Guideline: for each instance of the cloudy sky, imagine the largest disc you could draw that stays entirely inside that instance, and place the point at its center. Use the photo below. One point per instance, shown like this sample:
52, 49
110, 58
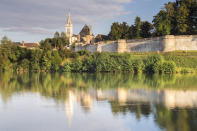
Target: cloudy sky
33, 20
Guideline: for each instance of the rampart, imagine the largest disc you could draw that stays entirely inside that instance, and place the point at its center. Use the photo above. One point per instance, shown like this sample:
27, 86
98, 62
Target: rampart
163, 44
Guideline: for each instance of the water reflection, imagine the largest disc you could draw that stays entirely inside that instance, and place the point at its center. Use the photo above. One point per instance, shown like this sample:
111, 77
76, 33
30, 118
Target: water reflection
169, 99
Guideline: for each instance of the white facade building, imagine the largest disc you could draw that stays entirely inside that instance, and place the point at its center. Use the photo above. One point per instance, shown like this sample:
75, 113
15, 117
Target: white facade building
69, 30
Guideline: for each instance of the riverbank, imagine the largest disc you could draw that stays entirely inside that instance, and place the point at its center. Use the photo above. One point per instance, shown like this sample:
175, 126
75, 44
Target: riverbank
15, 58
151, 62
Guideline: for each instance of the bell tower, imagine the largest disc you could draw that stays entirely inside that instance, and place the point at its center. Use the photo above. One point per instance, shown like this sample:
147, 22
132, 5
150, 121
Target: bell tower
69, 28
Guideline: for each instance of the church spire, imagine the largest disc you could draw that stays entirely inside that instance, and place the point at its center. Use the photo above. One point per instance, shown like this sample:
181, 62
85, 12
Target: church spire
69, 28
69, 19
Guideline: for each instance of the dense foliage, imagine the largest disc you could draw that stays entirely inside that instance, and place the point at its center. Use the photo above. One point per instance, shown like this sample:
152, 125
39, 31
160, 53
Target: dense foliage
16, 58
141, 29
57, 42
110, 62
176, 18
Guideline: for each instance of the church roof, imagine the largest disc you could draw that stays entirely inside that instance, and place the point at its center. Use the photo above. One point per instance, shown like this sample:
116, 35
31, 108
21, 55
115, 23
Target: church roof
85, 31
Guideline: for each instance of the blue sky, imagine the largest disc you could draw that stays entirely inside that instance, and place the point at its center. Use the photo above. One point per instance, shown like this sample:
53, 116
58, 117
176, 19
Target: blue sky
34, 20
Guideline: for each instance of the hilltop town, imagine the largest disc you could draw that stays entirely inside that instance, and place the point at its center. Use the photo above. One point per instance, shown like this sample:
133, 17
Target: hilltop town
167, 45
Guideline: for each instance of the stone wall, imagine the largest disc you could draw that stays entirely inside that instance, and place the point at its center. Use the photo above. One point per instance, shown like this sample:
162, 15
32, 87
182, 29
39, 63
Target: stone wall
145, 45
165, 44
180, 43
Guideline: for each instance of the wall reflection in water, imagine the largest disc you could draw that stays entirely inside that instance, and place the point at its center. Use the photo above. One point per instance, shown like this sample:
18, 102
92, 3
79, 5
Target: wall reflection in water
171, 99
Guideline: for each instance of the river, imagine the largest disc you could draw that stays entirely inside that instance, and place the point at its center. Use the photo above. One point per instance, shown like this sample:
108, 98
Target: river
95, 102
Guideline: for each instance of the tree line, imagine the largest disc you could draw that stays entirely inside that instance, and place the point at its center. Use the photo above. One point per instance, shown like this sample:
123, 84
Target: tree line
175, 18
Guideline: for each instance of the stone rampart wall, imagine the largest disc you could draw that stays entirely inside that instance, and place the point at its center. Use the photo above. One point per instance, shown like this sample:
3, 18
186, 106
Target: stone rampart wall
165, 44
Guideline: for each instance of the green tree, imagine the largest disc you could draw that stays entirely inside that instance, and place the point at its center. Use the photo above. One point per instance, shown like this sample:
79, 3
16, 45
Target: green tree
138, 26
115, 32
124, 30
46, 60
162, 24
5, 40
170, 8
24, 65
132, 32
5, 64
63, 34
47, 45
35, 59
192, 20
182, 18
146, 29
56, 35
56, 61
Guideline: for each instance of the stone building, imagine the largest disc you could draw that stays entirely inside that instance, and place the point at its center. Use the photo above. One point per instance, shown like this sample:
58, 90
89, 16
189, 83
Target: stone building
28, 45
85, 36
69, 30
101, 37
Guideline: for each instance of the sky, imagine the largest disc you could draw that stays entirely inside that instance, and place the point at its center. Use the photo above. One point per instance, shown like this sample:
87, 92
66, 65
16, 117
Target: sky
35, 20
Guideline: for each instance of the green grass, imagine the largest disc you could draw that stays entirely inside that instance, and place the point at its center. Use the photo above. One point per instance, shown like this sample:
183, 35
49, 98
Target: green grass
180, 58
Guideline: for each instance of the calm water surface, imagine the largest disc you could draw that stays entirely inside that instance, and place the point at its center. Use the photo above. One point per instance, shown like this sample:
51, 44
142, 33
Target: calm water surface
97, 102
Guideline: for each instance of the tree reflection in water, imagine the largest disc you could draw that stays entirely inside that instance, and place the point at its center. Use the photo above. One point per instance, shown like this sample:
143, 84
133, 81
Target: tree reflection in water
171, 99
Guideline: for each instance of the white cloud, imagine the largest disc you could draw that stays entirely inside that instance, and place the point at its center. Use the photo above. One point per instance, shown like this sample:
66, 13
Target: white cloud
30, 15
32, 30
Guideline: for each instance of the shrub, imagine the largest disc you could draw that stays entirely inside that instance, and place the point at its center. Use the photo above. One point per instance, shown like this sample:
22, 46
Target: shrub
88, 65
138, 66
103, 62
24, 65
169, 67
56, 61
65, 53
46, 60
5, 64
157, 67
153, 63
66, 67
75, 55
76, 66
83, 52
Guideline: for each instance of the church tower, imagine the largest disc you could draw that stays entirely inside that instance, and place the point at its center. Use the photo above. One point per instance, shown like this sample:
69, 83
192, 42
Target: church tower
69, 29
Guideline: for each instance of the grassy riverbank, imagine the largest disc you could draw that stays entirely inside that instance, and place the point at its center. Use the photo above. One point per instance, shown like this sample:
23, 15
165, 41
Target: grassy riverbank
171, 62
15, 58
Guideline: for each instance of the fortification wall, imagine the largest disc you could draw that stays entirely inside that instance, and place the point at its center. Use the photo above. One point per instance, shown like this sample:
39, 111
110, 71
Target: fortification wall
89, 47
112, 47
165, 44
181, 43
145, 45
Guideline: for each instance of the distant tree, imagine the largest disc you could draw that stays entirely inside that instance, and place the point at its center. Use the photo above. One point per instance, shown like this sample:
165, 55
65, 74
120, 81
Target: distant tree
46, 60
132, 32
5, 40
146, 29
177, 18
170, 8
65, 40
56, 61
35, 57
182, 18
5, 64
55, 42
138, 26
56, 35
192, 18
124, 29
24, 64
63, 35
162, 24
115, 32
47, 45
